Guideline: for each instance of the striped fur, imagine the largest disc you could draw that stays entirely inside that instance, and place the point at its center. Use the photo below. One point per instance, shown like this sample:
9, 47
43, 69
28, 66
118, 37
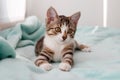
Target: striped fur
58, 44
67, 54
46, 55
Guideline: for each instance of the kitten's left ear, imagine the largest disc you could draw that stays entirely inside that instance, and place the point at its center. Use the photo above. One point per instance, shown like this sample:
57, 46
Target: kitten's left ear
75, 17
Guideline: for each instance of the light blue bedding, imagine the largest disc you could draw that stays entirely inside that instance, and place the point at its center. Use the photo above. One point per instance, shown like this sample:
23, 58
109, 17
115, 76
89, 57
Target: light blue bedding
103, 63
22, 34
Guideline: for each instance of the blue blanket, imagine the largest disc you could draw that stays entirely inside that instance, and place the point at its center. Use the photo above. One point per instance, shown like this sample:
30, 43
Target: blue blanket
103, 63
23, 34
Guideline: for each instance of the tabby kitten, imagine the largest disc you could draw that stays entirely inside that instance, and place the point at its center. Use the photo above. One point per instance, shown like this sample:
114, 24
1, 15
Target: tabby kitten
58, 44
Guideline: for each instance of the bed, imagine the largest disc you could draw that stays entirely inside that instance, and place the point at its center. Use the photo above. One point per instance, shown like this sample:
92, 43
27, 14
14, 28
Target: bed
102, 63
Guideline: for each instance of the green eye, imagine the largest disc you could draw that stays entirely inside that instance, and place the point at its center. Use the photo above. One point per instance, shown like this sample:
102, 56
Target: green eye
57, 29
70, 31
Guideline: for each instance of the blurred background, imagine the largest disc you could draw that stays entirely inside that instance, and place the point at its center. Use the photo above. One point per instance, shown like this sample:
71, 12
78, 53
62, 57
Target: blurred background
93, 12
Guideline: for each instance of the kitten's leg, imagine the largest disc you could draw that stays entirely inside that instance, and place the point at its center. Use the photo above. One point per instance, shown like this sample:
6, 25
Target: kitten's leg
82, 47
43, 60
67, 62
67, 58
43, 63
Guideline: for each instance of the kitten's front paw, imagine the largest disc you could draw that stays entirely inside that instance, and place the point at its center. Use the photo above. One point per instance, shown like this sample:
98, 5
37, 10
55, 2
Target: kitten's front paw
87, 49
65, 66
46, 66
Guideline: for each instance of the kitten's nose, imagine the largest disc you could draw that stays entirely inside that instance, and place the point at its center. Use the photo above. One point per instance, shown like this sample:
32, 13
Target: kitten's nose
64, 37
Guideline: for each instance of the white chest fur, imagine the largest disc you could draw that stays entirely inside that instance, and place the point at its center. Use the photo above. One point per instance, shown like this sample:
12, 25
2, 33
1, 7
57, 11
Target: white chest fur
54, 46
50, 43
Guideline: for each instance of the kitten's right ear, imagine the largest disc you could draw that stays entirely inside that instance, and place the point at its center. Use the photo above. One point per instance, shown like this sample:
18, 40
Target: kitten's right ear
75, 17
51, 15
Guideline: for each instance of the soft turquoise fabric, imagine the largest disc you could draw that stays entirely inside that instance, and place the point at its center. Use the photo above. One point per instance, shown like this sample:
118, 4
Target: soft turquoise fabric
32, 29
6, 51
22, 34
103, 63
16, 69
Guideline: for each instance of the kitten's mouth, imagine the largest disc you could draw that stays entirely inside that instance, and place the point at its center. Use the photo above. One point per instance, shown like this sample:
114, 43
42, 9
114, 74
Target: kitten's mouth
63, 41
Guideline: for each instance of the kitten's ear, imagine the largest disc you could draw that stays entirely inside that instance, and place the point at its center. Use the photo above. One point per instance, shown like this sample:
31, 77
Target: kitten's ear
51, 14
75, 17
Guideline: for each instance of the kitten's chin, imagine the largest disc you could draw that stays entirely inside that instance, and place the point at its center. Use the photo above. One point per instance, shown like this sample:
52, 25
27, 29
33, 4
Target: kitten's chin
60, 41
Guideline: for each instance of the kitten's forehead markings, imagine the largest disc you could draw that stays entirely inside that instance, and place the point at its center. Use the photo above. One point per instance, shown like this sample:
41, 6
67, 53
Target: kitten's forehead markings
63, 28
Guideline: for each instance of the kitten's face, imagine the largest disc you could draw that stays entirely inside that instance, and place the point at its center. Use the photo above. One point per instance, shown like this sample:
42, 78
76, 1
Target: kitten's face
61, 28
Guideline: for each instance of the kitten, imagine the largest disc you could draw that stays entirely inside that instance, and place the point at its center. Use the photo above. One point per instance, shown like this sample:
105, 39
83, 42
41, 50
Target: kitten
58, 44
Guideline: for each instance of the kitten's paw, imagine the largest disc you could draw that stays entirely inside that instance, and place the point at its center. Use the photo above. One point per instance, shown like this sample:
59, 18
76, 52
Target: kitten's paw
65, 66
87, 49
46, 66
